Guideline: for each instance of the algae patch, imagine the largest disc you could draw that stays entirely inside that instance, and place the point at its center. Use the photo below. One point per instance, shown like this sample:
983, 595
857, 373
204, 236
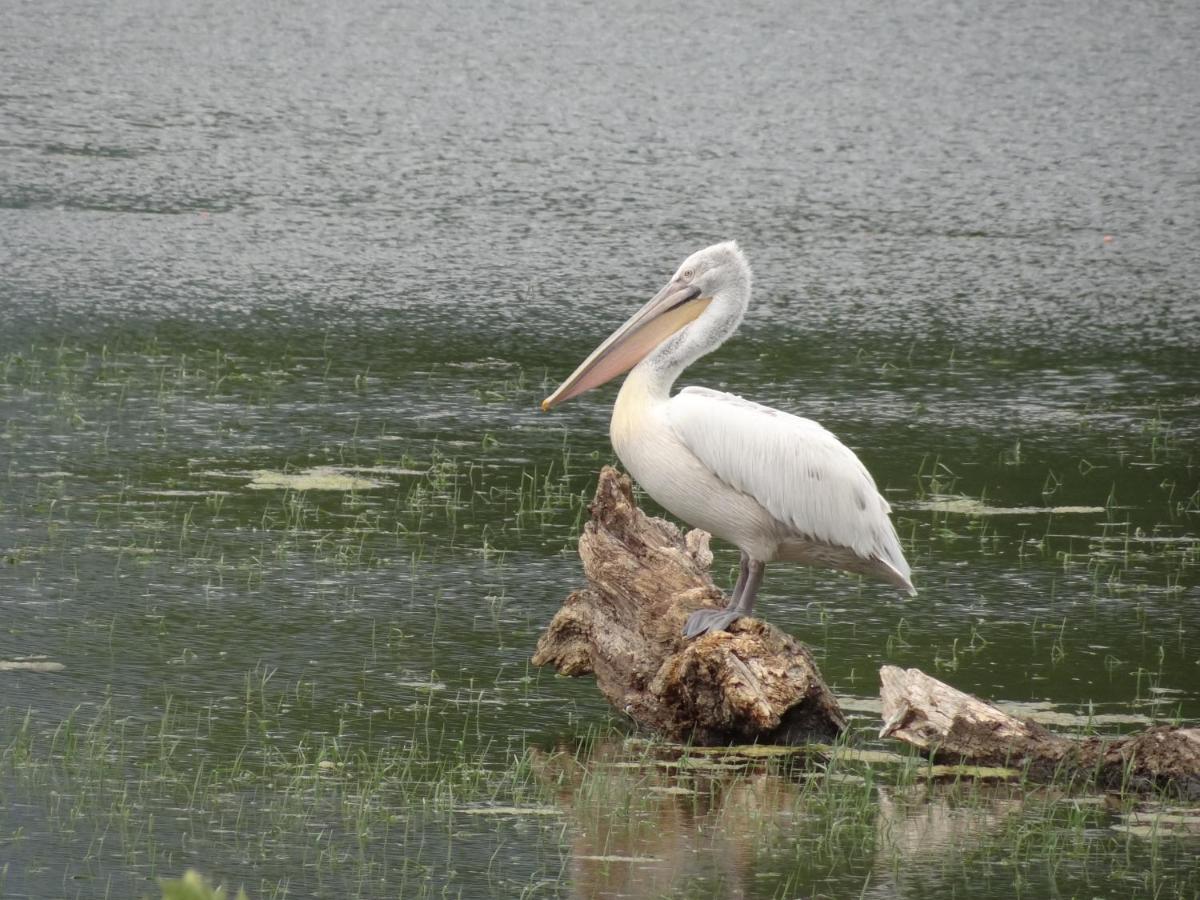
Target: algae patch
969, 506
30, 664
321, 478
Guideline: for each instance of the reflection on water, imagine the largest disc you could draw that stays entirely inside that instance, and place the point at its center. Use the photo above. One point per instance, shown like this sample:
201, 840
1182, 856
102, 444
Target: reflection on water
650, 822
918, 824
649, 826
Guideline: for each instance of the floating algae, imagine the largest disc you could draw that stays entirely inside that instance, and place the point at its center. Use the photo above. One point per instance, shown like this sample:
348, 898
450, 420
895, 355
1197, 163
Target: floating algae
969, 506
321, 478
30, 664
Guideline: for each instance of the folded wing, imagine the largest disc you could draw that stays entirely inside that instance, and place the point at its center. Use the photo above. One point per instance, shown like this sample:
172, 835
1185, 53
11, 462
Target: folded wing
803, 475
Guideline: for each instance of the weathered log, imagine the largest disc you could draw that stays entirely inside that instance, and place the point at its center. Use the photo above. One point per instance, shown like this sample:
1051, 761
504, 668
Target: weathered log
755, 684
750, 684
956, 727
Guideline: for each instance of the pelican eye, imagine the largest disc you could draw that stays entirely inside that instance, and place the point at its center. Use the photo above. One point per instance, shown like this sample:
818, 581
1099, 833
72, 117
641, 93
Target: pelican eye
688, 274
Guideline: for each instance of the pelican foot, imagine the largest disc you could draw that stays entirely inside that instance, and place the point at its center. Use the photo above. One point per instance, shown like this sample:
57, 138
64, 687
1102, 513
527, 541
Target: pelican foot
705, 620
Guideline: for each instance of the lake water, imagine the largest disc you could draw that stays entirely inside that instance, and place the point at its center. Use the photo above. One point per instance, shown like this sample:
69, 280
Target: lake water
245, 243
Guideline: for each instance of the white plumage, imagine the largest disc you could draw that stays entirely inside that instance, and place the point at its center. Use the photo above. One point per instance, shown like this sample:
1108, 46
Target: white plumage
778, 486
809, 481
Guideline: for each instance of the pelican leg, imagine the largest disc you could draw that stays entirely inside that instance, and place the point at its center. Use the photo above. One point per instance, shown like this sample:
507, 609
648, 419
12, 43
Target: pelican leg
740, 604
754, 576
740, 584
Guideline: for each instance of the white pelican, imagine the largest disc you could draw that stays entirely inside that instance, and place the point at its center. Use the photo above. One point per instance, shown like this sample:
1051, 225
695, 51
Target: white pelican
777, 486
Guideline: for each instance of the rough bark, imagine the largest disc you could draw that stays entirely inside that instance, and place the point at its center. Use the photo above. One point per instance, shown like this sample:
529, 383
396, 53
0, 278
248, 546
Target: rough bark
955, 727
755, 684
752, 684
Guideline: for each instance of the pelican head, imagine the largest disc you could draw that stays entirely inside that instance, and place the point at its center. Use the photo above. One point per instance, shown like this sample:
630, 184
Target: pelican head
716, 277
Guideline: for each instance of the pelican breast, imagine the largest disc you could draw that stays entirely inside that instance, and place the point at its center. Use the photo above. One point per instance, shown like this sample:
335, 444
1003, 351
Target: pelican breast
660, 461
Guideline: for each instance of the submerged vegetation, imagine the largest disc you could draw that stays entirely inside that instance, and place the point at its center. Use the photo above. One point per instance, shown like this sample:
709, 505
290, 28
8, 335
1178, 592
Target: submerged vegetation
269, 619
422, 815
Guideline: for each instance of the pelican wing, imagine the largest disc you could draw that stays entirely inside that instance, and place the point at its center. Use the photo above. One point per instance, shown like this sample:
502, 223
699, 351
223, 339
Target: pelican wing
803, 475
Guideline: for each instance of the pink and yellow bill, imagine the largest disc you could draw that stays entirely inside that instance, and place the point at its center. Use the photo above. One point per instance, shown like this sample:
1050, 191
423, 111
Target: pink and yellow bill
669, 310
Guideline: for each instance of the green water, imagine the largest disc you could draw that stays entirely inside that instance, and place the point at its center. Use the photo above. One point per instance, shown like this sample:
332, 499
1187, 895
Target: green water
280, 521
324, 691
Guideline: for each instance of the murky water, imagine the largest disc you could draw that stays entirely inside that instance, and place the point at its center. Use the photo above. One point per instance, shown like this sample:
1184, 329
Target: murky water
244, 245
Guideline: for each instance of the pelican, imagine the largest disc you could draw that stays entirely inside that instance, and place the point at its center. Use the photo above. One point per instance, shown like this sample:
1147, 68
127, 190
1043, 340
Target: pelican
777, 486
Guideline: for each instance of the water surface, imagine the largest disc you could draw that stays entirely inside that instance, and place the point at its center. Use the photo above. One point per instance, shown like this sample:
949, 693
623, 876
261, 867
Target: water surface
239, 243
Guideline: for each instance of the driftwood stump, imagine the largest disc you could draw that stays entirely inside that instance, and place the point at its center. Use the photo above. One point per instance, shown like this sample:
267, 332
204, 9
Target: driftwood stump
955, 727
755, 684
751, 684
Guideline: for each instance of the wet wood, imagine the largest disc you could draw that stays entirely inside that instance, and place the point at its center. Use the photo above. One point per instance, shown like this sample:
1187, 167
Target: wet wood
956, 727
755, 684
752, 684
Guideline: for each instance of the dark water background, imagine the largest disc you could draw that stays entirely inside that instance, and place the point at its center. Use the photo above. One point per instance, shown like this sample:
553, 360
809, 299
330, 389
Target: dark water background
251, 237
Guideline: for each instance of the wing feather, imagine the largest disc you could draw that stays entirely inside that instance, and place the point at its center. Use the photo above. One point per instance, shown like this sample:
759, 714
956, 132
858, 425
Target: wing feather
803, 475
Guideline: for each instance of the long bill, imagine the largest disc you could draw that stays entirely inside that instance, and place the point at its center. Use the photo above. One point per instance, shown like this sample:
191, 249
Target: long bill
669, 310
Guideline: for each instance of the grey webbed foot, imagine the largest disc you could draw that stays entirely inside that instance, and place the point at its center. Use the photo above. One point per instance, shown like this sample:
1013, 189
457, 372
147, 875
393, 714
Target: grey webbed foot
705, 620
742, 604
